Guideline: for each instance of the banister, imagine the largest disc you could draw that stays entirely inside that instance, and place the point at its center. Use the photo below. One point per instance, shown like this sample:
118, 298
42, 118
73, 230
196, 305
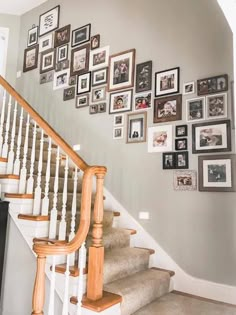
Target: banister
44, 125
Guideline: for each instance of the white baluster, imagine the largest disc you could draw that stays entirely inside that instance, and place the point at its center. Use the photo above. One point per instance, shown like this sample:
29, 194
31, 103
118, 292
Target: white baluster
65, 309
62, 227
53, 215
52, 287
11, 154
30, 181
38, 189
2, 120
45, 205
5, 145
23, 172
81, 266
73, 214
16, 169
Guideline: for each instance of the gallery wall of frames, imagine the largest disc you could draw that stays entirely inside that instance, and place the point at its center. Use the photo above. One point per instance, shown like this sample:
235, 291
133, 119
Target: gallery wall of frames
72, 60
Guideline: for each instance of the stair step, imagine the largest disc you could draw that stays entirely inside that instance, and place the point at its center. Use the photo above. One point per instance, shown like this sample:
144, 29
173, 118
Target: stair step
132, 231
122, 262
140, 289
151, 251
171, 272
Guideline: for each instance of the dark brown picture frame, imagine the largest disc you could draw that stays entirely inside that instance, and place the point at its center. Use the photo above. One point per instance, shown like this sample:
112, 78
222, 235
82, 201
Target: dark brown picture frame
41, 33
212, 85
62, 40
74, 41
209, 139
43, 54
179, 142
86, 68
143, 77
35, 63
217, 173
164, 112
181, 131
95, 42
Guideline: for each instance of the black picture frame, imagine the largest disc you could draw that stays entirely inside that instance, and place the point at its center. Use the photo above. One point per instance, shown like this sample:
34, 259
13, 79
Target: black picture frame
78, 32
164, 82
69, 93
77, 68
33, 36
181, 131
51, 27
214, 136
182, 160
168, 160
212, 85
31, 59
83, 83
143, 81
181, 144
62, 36
95, 42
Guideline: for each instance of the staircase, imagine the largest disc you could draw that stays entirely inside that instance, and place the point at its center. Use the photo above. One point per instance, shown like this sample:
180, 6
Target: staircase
58, 203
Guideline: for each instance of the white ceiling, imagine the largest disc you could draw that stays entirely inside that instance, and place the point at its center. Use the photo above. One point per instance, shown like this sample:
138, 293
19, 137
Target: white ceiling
18, 7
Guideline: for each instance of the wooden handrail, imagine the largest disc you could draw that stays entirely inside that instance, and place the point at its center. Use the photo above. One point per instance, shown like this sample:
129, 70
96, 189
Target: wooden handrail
45, 126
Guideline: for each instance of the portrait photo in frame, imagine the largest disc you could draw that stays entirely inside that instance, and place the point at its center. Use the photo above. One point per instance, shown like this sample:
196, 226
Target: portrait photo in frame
212, 85
136, 127
120, 102
118, 133
62, 53
211, 137
118, 120
189, 88
98, 94
46, 77
47, 62
181, 130
99, 58
82, 101
216, 106
31, 58
167, 108
49, 21
185, 180
142, 101
143, 77
69, 93
168, 160
32, 36
61, 79
83, 83
95, 42
62, 36
216, 173
160, 138
81, 35
121, 70
46, 42
99, 76
195, 109
167, 82
80, 60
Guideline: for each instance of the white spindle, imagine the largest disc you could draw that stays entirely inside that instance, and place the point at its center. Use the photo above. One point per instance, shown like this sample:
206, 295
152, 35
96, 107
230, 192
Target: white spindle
81, 266
2, 120
45, 205
11, 154
30, 181
16, 169
52, 288
5, 145
65, 309
38, 189
23, 172
73, 214
53, 215
62, 227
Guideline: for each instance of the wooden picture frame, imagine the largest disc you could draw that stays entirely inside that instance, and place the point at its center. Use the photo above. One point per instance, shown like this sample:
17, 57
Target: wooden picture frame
47, 62
167, 82
69, 94
80, 60
216, 106
181, 130
181, 144
136, 127
120, 101
211, 137
212, 85
98, 94
62, 36
121, 70
31, 58
99, 76
167, 109
143, 77
81, 35
185, 180
49, 21
195, 109
216, 173
32, 36
82, 101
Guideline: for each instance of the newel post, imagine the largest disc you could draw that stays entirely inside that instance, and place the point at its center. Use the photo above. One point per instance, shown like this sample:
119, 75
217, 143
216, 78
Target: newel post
39, 287
96, 251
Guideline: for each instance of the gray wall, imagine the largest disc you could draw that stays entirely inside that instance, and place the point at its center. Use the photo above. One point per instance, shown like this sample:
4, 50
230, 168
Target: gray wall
11, 22
196, 229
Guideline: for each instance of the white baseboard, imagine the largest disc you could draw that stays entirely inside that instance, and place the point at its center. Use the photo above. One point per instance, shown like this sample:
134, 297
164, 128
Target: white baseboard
182, 281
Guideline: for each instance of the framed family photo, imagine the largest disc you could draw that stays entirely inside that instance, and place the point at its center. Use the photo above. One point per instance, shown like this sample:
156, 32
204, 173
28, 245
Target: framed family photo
62, 53
120, 102
143, 77
62, 36
181, 144
175, 160
216, 173
195, 109
99, 58
31, 58
189, 88
211, 137
47, 62
83, 83
61, 79
81, 35
168, 161
160, 138
168, 108
142, 101
46, 42
99, 77
119, 120
121, 70
46, 77
216, 106
32, 36
95, 42
212, 85
167, 82
185, 180
80, 60
82, 101
136, 127
181, 131
69, 94
98, 94
49, 21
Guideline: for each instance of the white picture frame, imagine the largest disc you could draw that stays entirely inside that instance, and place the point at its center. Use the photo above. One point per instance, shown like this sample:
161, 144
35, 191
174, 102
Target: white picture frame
118, 133
216, 106
120, 101
61, 79
46, 42
119, 120
189, 88
99, 58
160, 138
143, 101
32, 36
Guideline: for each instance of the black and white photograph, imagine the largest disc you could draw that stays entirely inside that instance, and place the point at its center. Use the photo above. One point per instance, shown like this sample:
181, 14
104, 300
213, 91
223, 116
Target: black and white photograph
95, 42
93, 109
168, 161
181, 160
119, 120
142, 101
81, 35
62, 36
102, 107
216, 106
98, 94
99, 77
181, 144
181, 130
82, 101
143, 77
195, 109
46, 77
46, 42
47, 62
167, 82
99, 58
69, 94
30, 58
83, 83
62, 53
212, 85
185, 180
167, 108
49, 21
72, 80
189, 88
118, 133
65, 64
79, 60
61, 79
136, 127
32, 36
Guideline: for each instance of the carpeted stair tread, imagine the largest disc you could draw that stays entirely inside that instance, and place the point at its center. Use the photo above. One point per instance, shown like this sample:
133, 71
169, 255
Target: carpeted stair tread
52, 169
70, 184
122, 262
140, 289
176, 304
